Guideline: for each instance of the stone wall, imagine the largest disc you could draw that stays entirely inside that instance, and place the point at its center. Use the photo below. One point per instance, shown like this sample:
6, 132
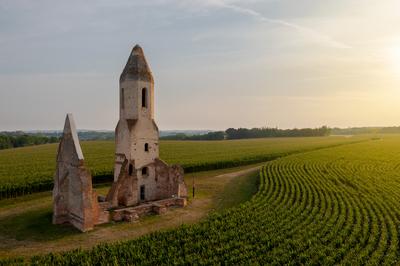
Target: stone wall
163, 181
170, 182
124, 191
73, 198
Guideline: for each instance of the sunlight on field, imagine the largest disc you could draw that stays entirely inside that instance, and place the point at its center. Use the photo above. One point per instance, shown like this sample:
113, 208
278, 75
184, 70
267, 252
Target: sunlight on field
24, 170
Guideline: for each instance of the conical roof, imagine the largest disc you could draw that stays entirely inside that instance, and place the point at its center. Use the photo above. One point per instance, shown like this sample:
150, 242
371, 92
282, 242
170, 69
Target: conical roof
137, 66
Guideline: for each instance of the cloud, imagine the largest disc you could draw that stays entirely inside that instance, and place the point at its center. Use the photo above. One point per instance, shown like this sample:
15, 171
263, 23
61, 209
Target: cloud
311, 33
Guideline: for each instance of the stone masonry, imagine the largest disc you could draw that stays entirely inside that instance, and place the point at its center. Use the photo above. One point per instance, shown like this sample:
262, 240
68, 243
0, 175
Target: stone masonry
143, 183
73, 198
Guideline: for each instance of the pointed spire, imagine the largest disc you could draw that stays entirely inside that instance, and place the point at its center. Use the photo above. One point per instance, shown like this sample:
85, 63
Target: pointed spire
137, 66
70, 130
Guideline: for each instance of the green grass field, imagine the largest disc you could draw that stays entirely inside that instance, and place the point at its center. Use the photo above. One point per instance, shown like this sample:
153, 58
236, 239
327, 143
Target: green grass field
30, 169
338, 205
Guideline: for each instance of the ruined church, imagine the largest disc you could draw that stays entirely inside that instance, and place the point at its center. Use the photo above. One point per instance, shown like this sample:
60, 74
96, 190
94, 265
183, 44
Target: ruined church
142, 183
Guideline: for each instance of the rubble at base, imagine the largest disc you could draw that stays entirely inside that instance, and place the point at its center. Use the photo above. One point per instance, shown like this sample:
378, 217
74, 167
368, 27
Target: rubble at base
132, 214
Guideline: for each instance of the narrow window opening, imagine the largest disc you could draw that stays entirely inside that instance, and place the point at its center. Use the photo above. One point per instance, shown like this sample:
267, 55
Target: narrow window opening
122, 98
144, 97
130, 169
146, 147
145, 171
142, 192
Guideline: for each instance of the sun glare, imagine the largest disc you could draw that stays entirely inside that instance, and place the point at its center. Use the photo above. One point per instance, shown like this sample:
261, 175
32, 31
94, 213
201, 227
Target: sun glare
394, 57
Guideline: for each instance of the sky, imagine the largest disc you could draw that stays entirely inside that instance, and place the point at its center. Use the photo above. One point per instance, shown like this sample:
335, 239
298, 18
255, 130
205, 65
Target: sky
216, 63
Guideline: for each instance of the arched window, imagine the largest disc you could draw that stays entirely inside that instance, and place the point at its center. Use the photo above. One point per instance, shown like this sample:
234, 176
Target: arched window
145, 171
146, 147
130, 169
144, 97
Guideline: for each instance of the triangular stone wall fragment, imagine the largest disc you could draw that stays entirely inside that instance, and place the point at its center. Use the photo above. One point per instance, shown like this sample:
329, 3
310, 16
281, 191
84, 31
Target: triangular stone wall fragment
73, 199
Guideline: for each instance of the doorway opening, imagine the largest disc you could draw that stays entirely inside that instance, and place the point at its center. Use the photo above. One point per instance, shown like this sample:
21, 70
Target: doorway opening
142, 191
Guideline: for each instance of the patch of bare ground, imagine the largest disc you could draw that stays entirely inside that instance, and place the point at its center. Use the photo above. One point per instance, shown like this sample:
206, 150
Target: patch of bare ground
25, 238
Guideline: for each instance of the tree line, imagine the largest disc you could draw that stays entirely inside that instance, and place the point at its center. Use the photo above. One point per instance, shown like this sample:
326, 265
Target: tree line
245, 133
365, 130
216, 135
21, 139
266, 132
14, 140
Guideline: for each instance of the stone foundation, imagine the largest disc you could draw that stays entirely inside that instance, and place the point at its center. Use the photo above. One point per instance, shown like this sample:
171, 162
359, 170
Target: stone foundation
132, 214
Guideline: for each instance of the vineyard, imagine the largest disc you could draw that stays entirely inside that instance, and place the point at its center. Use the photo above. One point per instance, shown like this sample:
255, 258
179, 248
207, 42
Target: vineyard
30, 169
332, 206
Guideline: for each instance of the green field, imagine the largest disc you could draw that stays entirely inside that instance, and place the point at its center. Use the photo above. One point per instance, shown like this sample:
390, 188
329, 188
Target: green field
30, 169
331, 206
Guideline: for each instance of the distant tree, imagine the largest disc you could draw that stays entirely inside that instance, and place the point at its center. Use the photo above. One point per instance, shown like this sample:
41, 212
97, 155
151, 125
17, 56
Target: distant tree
265, 132
17, 139
217, 135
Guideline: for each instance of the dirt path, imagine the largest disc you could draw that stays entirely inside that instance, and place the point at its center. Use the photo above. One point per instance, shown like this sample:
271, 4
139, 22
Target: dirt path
208, 191
238, 173
20, 208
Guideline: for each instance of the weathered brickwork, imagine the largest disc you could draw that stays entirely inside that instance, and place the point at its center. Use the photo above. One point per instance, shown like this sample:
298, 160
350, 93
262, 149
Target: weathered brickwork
143, 183
137, 155
73, 198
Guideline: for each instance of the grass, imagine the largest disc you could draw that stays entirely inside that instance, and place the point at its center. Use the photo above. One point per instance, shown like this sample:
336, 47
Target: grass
30, 169
34, 225
238, 190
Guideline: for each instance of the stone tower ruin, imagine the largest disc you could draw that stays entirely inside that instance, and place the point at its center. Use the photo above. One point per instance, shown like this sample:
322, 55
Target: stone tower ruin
142, 182
136, 134
136, 141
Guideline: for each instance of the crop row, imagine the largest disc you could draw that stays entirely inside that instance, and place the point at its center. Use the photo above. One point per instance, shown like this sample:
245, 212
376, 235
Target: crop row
326, 207
28, 170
